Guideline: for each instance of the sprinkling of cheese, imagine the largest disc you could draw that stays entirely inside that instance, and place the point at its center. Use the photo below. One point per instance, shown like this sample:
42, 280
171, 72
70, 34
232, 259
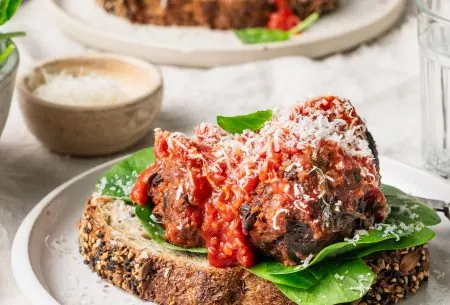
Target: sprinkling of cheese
90, 89
163, 4
353, 240
339, 277
307, 261
274, 218
179, 192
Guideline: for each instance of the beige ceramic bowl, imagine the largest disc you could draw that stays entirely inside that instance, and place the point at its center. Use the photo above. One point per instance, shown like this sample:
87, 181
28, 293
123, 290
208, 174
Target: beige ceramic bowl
92, 130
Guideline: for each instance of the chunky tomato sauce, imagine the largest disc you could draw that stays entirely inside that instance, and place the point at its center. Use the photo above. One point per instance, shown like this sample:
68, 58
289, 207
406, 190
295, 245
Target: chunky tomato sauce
322, 143
283, 18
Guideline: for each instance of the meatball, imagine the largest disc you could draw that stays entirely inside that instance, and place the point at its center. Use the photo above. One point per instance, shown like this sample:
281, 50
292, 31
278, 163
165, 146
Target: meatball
292, 230
178, 203
307, 178
304, 8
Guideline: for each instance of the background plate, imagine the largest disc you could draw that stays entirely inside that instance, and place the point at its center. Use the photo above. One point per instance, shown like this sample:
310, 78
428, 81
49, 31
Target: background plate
50, 271
354, 22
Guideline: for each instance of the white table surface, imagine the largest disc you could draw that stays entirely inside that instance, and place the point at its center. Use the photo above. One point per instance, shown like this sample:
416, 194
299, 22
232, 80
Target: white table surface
382, 79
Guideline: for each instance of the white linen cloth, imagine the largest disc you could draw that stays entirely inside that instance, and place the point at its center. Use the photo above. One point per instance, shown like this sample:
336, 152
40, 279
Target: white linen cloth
381, 78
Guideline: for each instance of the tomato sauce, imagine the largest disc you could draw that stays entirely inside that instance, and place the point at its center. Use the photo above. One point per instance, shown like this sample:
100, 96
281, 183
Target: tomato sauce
223, 173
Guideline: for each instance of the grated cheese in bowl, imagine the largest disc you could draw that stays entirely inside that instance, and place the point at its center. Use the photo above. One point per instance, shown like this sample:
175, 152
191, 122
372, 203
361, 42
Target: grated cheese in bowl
86, 89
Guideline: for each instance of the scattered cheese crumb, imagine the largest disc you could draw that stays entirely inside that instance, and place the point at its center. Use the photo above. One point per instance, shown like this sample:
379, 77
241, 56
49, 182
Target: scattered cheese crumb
339, 277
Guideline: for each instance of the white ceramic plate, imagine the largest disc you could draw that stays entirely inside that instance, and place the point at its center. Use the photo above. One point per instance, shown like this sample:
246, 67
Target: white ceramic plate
354, 22
50, 271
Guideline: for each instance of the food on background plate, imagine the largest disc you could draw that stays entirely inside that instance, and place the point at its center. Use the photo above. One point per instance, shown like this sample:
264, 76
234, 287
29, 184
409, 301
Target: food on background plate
274, 207
265, 20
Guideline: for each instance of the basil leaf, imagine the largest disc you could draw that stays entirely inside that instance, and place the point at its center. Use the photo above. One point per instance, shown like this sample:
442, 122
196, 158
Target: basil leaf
408, 209
118, 181
7, 9
343, 284
156, 232
261, 35
252, 121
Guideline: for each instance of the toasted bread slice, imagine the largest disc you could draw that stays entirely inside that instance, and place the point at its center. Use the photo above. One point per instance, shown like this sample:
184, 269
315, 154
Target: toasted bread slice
115, 246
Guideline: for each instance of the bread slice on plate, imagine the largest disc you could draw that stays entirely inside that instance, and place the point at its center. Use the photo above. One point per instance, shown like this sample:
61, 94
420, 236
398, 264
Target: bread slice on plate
115, 247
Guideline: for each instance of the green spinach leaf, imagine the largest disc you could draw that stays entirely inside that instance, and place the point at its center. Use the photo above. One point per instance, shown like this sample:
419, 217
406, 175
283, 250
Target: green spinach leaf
408, 209
411, 240
119, 179
343, 284
265, 35
303, 279
252, 121
156, 232
261, 35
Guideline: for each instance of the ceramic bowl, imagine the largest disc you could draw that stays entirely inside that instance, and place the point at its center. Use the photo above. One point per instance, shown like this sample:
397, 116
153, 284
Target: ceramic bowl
7, 81
95, 129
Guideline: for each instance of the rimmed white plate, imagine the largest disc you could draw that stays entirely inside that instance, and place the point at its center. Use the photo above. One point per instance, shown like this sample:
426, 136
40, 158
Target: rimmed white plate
354, 22
50, 271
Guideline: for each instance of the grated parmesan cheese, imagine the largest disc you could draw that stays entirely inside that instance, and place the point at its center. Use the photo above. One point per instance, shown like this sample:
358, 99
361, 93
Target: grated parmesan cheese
90, 89
274, 219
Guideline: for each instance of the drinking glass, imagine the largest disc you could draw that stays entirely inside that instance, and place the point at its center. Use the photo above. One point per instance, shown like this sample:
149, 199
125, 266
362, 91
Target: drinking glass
434, 41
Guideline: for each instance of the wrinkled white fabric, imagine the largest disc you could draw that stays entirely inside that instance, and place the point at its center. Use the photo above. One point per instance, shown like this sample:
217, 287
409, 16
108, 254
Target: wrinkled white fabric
382, 79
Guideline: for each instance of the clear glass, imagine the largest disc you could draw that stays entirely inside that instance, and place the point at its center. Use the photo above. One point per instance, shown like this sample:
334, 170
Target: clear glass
434, 40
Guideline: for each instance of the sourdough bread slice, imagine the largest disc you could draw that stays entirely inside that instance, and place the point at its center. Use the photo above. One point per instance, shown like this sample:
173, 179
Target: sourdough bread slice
115, 247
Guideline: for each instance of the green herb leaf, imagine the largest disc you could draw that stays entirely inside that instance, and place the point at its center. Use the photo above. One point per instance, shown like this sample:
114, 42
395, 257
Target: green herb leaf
252, 121
303, 279
265, 35
359, 242
156, 232
5, 54
119, 179
412, 240
261, 35
309, 21
11, 35
7, 9
343, 284
408, 209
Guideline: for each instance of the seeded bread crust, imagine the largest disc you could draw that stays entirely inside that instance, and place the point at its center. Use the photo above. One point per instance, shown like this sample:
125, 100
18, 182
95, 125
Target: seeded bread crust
115, 247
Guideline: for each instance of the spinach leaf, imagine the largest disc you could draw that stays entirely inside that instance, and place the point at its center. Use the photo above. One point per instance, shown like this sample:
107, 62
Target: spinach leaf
408, 209
7, 9
343, 284
309, 21
360, 241
119, 179
261, 35
265, 35
400, 223
412, 240
252, 121
156, 232
303, 279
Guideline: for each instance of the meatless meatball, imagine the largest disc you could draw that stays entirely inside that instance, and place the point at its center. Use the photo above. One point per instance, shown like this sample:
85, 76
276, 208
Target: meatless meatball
308, 178
178, 189
304, 8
